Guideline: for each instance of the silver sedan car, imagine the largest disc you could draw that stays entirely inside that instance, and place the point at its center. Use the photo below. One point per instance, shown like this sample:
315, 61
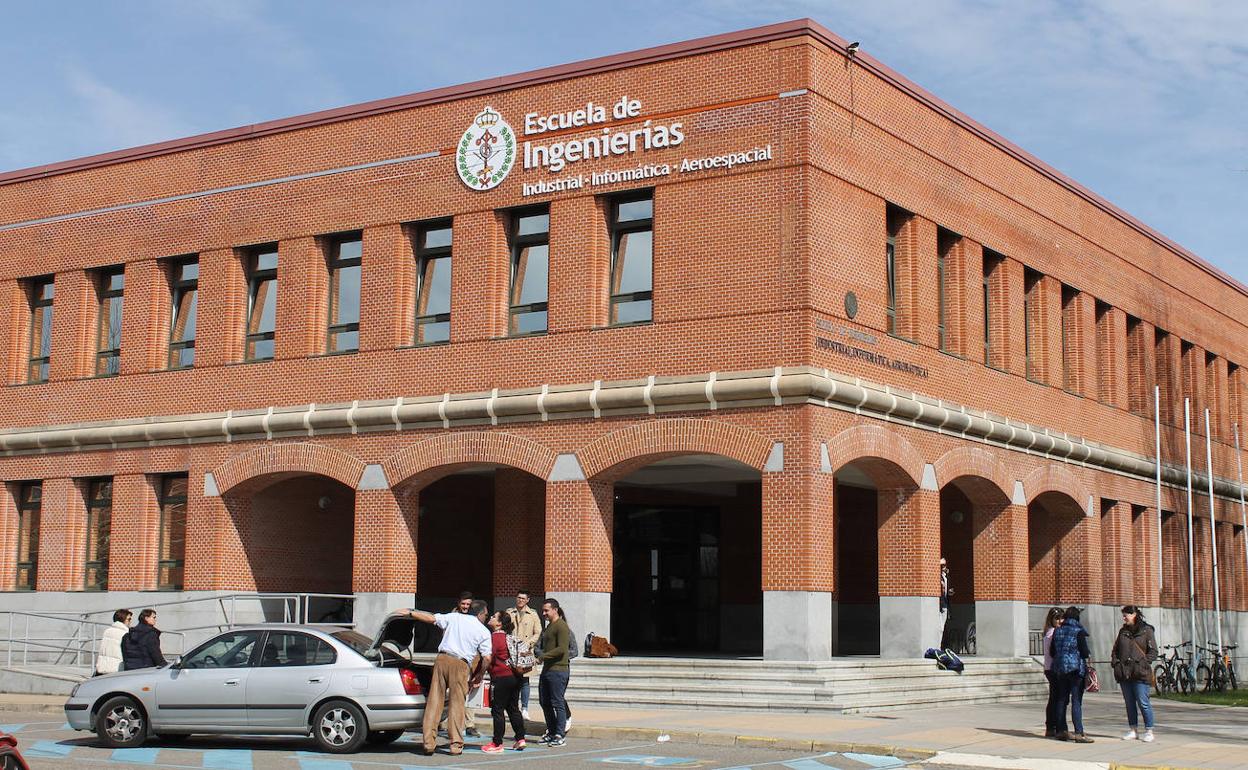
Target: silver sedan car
338, 686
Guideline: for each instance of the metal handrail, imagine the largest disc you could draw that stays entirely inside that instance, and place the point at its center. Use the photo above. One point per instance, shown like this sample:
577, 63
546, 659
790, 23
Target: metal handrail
295, 609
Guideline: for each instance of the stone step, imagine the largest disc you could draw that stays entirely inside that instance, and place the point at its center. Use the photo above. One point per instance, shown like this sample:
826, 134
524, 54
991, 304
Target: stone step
837, 692
695, 672
892, 702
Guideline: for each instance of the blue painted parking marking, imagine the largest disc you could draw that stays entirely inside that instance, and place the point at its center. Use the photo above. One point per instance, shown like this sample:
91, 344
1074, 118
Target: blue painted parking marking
650, 761
808, 764
875, 760
142, 756
49, 749
227, 759
324, 764
12, 728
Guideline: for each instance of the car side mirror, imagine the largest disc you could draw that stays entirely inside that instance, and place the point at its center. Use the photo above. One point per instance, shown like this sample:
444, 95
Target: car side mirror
176, 662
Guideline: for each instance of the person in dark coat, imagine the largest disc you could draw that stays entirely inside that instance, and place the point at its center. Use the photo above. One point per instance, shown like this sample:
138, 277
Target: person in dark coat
140, 647
1134, 651
1069, 649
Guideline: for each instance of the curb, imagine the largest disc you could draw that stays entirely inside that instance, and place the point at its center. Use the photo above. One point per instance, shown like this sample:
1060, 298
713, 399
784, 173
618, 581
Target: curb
709, 738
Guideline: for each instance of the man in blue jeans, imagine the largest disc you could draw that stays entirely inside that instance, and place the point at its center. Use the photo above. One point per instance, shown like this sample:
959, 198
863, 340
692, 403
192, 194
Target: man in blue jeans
1070, 665
553, 684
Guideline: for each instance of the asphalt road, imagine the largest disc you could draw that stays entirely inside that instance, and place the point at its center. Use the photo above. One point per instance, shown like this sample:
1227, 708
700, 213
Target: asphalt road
48, 744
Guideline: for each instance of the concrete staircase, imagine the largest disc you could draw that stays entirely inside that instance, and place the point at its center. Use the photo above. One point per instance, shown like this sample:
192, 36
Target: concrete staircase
843, 685
42, 679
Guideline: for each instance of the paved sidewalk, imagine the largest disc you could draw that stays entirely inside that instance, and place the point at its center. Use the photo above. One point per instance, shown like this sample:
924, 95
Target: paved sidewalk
1188, 735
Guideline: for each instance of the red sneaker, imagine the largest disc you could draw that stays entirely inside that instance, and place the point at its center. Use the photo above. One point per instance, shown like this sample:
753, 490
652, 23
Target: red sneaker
518, 745
492, 748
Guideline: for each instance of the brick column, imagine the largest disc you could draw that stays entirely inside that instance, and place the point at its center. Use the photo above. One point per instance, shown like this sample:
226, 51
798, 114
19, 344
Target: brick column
1079, 349
1237, 403
1144, 542
215, 531
385, 548
1216, 401
145, 318
14, 331
1001, 579
1193, 386
1045, 326
909, 555
1175, 584
8, 535
135, 536
220, 333
1119, 562
798, 561
1141, 368
1203, 550
1112, 376
1227, 588
480, 273
578, 560
519, 508
62, 536
969, 258
1239, 567
580, 264
302, 299
387, 289
1005, 290
1168, 370
74, 310
917, 295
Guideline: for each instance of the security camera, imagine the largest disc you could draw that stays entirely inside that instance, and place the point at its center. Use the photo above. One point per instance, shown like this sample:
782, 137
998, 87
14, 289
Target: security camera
852, 48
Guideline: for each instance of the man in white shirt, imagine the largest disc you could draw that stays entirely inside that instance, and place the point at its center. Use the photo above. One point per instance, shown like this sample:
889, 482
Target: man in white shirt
463, 658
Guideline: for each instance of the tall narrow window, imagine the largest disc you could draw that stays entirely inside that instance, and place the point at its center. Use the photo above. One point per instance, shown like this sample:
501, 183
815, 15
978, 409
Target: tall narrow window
433, 283
632, 259
99, 523
184, 288
1165, 366
111, 284
530, 254
344, 294
29, 506
1138, 393
991, 261
896, 219
41, 293
1070, 339
1235, 396
948, 324
172, 553
1108, 360
261, 302
1031, 291
1213, 394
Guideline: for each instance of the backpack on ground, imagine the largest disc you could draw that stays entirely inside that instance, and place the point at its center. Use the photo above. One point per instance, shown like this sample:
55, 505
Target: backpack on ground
599, 647
521, 655
573, 650
948, 660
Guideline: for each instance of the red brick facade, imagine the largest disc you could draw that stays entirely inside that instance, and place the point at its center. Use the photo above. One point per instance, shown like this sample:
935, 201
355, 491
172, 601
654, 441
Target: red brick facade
1086, 311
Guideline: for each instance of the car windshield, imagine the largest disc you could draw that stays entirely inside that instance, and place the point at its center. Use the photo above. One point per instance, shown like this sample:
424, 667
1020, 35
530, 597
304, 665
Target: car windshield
355, 640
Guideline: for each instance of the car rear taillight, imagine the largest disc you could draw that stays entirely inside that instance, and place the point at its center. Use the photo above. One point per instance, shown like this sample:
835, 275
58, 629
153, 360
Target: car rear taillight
410, 685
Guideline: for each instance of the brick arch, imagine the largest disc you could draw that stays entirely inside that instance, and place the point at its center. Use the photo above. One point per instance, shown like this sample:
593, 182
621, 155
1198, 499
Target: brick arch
437, 456
890, 460
1055, 478
621, 451
284, 460
983, 477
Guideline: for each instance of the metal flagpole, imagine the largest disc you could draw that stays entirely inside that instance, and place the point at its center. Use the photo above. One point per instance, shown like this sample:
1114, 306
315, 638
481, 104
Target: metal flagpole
1243, 510
1157, 428
1213, 529
1191, 543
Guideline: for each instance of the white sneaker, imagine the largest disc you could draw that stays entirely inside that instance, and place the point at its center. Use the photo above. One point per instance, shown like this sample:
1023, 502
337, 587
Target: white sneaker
524, 713
1131, 735
567, 725
1147, 737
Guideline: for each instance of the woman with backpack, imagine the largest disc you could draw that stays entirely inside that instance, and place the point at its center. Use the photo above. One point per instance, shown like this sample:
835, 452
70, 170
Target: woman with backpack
504, 683
1070, 665
1134, 651
1051, 621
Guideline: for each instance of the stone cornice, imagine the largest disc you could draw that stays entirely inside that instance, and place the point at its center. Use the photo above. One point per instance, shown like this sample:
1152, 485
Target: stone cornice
653, 395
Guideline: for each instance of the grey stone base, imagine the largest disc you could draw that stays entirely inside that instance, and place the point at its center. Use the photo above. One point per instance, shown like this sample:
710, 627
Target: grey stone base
1001, 628
797, 625
908, 625
587, 612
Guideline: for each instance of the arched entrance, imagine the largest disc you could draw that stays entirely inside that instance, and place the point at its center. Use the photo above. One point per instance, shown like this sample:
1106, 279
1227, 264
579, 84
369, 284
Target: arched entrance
297, 531
1057, 555
687, 557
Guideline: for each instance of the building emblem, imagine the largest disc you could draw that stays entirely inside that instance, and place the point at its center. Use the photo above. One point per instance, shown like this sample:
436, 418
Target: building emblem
486, 151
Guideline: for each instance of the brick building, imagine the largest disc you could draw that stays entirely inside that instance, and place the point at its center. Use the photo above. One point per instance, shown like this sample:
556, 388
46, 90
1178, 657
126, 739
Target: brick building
722, 343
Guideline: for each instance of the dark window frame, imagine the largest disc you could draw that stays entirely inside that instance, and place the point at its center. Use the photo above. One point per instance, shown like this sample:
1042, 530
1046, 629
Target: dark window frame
100, 524
617, 231
179, 287
165, 500
36, 288
28, 514
516, 245
334, 261
423, 256
1033, 280
108, 358
256, 277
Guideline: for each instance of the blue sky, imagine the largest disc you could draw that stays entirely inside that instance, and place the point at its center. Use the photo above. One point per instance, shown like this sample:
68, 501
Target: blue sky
1146, 103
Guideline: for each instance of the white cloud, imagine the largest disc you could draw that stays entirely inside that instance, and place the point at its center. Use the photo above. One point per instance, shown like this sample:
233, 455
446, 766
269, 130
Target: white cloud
118, 119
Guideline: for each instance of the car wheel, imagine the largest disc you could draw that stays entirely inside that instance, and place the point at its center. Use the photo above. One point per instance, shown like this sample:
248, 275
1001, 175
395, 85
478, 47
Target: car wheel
382, 737
121, 724
339, 727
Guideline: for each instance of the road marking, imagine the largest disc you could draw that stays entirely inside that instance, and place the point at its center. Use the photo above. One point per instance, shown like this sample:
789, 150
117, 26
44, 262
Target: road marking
788, 761
807, 764
874, 760
227, 759
12, 728
1013, 763
143, 756
324, 764
50, 748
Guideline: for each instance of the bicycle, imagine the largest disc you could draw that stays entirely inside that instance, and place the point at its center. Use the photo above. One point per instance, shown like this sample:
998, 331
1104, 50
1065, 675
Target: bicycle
1171, 673
1221, 675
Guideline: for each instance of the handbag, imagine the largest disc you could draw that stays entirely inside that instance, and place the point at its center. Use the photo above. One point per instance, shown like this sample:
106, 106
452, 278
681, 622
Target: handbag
520, 656
1093, 682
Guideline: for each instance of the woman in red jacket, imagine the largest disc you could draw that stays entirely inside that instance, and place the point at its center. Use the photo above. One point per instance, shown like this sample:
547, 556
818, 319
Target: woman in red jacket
504, 686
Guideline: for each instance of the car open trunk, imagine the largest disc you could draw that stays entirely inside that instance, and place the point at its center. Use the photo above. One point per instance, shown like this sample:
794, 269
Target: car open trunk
399, 639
